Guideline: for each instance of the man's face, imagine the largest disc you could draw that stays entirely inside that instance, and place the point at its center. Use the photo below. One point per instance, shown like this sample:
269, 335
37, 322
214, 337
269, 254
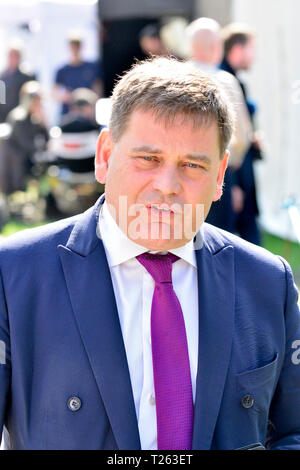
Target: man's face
152, 45
176, 168
247, 55
14, 59
75, 47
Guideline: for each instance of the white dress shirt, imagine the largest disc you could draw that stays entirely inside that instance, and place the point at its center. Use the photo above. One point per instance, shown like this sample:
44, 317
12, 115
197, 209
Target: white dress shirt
133, 288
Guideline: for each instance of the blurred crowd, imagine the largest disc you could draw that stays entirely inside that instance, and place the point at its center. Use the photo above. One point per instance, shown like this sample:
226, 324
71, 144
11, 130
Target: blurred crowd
26, 140
30, 149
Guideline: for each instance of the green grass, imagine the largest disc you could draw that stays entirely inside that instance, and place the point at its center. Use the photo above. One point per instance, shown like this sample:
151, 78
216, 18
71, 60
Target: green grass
15, 226
288, 250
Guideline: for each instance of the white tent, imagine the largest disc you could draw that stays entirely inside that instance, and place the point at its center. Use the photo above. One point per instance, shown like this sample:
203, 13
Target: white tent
274, 83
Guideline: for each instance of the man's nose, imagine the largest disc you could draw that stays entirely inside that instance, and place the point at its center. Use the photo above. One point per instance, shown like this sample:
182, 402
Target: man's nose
167, 181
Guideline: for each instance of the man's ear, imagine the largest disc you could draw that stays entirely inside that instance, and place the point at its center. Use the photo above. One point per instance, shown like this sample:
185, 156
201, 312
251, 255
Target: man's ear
103, 153
221, 174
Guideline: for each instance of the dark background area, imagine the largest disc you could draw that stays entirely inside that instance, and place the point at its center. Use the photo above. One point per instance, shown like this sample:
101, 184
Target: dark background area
121, 21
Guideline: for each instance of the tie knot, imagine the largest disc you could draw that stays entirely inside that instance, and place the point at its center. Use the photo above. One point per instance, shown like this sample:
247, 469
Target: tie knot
159, 266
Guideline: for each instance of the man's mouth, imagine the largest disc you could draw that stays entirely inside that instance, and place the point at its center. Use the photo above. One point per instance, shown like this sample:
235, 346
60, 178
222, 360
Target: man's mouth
164, 208
159, 207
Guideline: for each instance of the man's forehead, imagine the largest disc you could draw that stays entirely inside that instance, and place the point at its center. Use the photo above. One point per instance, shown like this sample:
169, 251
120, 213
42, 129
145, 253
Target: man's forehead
167, 120
147, 134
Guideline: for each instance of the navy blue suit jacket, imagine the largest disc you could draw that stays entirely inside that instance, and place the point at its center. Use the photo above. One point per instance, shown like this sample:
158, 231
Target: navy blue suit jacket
60, 326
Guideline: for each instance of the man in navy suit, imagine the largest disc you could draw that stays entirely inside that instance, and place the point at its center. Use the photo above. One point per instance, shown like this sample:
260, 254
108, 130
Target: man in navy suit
89, 304
239, 54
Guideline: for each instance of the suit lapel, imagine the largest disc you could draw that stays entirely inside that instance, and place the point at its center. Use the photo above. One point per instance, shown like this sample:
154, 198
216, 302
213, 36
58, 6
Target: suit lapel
91, 293
216, 315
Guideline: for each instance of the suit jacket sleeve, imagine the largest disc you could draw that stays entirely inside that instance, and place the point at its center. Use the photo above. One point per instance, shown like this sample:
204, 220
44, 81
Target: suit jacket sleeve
5, 358
284, 414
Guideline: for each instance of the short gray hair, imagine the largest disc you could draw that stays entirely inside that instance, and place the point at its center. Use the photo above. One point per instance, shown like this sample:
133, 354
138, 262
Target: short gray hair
169, 87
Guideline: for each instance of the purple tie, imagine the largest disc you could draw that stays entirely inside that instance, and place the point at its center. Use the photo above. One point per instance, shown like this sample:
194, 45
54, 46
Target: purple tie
171, 367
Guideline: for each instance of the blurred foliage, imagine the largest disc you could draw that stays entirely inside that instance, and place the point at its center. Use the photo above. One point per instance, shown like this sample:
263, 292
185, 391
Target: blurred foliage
15, 226
288, 250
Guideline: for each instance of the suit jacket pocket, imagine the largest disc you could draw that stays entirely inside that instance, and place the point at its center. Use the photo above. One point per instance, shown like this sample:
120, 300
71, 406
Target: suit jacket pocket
259, 384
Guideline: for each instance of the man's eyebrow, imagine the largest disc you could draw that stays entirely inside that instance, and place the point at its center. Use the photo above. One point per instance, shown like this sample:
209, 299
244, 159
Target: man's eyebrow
147, 149
199, 157
195, 157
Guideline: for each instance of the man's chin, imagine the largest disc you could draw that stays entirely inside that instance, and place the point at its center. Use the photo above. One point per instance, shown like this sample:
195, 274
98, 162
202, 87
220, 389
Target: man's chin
160, 236
160, 244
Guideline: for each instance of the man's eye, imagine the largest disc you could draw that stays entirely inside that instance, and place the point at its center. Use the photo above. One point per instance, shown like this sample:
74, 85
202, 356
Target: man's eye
145, 161
147, 158
193, 165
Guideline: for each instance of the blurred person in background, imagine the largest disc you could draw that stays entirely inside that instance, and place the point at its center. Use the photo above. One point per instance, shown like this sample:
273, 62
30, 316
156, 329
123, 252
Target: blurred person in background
28, 134
77, 73
81, 116
151, 42
206, 51
80, 120
13, 77
73, 187
239, 55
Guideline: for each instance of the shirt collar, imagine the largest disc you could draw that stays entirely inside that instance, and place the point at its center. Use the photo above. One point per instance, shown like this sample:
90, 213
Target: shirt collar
119, 248
204, 67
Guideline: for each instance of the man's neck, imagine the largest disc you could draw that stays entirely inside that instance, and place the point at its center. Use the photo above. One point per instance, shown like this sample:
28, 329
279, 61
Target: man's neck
11, 70
227, 66
75, 61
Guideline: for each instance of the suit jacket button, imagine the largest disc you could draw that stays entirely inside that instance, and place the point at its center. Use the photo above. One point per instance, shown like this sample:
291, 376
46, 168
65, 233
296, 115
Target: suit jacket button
247, 401
74, 403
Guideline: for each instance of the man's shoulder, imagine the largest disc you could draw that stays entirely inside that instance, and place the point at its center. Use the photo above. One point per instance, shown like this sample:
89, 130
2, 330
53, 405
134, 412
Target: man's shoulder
26, 75
246, 254
71, 67
63, 67
227, 78
88, 64
38, 239
61, 71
